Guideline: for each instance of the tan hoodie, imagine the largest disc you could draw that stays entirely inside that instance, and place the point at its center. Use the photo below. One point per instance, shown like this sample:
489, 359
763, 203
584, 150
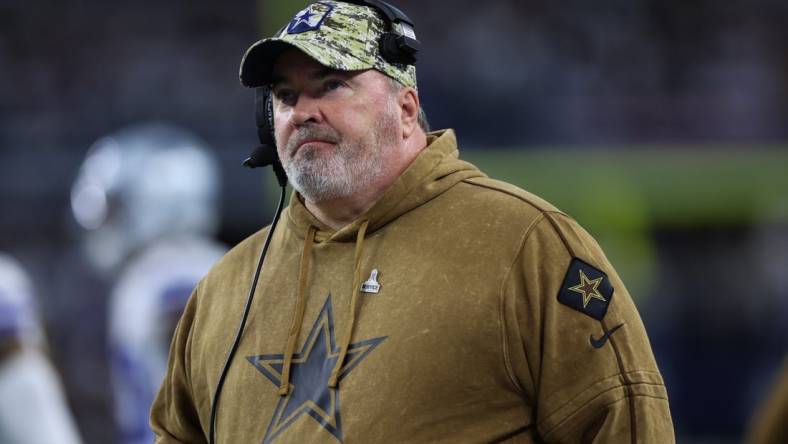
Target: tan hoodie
497, 318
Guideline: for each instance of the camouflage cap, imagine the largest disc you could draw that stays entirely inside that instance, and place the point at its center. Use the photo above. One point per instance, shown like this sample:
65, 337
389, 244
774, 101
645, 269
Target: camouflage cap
336, 34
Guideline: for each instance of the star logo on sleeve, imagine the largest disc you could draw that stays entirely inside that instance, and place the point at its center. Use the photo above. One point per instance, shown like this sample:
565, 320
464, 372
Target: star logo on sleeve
586, 289
309, 375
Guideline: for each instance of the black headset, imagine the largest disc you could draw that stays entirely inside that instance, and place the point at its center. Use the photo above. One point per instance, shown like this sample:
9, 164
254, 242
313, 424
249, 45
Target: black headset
397, 46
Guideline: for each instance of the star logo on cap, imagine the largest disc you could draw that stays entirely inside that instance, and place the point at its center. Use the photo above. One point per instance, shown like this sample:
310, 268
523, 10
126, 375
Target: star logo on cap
588, 288
309, 19
303, 17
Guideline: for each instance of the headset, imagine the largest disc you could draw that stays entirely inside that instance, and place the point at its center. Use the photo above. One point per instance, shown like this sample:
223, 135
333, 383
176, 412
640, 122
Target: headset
398, 45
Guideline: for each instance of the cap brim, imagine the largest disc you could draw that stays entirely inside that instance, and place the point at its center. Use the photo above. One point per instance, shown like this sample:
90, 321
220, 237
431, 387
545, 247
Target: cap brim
258, 61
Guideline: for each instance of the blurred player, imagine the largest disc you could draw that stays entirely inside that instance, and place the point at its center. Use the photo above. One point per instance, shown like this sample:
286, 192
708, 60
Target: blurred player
147, 197
32, 406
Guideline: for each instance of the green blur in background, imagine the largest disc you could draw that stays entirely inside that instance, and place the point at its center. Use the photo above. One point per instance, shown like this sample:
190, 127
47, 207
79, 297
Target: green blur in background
622, 195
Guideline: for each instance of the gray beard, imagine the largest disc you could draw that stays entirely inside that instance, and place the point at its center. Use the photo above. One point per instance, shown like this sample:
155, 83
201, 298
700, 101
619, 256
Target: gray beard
320, 178
352, 166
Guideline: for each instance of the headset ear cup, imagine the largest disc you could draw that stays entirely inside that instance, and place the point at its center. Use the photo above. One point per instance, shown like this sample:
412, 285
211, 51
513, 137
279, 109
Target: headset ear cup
388, 47
269, 121
395, 49
260, 94
269, 115
264, 116
266, 154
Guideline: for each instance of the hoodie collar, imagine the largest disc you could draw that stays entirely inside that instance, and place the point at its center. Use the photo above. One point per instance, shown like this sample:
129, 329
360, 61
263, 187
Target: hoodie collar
436, 169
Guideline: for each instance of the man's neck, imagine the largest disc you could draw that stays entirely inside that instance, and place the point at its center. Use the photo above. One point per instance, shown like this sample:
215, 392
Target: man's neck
336, 213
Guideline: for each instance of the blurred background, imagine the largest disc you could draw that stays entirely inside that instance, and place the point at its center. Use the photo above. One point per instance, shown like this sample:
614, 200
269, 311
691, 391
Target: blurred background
660, 125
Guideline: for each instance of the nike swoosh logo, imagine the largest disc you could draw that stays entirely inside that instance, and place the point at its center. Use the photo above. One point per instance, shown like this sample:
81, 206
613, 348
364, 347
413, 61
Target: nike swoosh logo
598, 343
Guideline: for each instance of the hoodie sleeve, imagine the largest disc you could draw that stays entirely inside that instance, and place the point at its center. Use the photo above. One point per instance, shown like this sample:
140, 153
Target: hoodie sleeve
769, 425
174, 417
575, 344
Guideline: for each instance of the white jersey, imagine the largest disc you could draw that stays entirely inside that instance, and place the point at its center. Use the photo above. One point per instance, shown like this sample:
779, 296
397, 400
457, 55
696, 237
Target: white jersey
33, 409
145, 305
18, 314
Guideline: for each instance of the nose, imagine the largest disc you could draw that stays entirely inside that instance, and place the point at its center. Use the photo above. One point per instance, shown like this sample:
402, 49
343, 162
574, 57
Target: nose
305, 111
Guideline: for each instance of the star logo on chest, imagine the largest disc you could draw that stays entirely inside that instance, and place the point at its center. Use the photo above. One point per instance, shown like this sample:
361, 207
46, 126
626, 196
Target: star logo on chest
309, 375
589, 288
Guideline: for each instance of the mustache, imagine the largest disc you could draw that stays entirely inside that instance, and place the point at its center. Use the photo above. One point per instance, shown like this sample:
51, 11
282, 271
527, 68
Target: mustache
310, 133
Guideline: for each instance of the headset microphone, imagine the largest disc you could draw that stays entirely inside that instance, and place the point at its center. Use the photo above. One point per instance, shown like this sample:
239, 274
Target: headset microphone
260, 157
265, 155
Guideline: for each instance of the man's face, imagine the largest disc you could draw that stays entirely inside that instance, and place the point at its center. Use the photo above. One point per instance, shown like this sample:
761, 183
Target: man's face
335, 130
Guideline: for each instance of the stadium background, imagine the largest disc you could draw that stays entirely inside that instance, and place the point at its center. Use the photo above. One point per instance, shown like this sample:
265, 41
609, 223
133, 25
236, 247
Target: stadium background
658, 124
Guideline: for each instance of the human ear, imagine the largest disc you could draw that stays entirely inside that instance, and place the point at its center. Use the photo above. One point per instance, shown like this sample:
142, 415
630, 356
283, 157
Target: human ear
409, 107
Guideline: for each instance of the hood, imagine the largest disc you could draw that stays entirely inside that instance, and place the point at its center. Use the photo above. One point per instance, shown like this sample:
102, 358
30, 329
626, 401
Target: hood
436, 169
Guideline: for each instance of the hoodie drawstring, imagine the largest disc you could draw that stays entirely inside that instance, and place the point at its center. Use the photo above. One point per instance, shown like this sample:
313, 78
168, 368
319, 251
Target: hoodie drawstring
334, 380
298, 316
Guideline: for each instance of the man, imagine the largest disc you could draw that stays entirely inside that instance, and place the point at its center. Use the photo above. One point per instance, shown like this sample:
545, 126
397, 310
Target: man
405, 297
33, 407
